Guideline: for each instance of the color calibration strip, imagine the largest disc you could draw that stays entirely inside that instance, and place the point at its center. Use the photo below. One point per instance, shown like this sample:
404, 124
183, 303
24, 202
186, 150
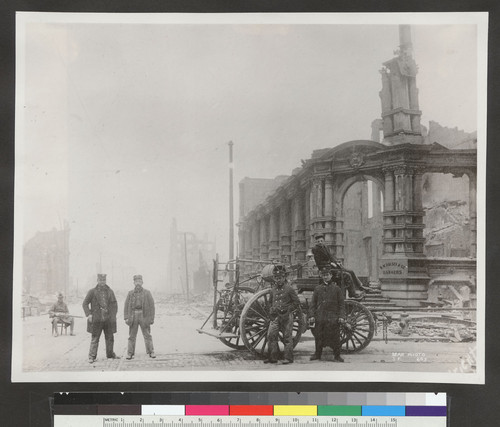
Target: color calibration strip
344, 404
297, 410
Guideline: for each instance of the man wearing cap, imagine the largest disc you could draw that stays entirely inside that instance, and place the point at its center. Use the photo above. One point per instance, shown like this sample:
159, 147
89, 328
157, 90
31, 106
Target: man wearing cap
283, 302
326, 313
324, 258
139, 311
60, 314
100, 307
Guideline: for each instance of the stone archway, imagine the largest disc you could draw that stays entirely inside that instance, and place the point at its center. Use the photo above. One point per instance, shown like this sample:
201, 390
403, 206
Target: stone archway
355, 197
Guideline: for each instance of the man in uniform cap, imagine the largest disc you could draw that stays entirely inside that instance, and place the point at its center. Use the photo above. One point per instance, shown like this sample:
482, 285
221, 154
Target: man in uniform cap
139, 311
326, 312
324, 258
100, 307
283, 302
59, 313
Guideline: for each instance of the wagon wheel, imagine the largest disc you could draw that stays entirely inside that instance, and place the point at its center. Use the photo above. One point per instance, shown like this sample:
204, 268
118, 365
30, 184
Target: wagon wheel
228, 317
358, 330
254, 324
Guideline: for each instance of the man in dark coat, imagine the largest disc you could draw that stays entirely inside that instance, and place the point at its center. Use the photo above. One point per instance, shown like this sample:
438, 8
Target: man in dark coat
100, 307
326, 313
283, 302
323, 258
139, 311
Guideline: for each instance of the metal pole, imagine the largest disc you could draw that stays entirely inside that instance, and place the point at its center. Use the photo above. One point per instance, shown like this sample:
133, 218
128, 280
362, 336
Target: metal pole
187, 274
215, 278
231, 214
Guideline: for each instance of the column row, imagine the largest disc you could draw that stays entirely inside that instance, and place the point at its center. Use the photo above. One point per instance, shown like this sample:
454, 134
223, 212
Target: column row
285, 231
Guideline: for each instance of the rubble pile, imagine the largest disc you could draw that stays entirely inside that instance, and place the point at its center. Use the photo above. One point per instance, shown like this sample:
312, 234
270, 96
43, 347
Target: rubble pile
437, 329
447, 223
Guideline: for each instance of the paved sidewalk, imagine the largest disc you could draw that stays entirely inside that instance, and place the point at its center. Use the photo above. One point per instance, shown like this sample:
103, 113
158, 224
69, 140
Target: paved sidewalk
433, 357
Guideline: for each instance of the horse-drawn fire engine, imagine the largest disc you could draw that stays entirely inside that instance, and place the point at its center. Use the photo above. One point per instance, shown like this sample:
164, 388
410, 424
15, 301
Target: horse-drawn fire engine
240, 316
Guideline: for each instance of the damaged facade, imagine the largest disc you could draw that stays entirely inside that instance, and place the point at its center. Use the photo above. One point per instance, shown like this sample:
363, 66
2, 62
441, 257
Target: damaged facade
46, 263
393, 211
187, 247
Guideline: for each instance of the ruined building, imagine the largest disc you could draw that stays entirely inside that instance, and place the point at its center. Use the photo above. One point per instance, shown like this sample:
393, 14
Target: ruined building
197, 253
46, 263
367, 197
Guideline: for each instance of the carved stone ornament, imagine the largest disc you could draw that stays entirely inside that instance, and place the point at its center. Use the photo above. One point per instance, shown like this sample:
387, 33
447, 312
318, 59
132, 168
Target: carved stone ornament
356, 160
407, 66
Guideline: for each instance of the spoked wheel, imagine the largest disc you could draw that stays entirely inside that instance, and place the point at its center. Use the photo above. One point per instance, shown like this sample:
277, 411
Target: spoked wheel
228, 317
254, 324
359, 328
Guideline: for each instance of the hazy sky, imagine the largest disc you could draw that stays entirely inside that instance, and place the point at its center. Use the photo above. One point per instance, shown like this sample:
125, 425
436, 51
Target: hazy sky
125, 126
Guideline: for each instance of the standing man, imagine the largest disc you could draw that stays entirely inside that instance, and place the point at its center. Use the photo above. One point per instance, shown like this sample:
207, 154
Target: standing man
323, 258
283, 302
139, 311
100, 307
59, 313
326, 313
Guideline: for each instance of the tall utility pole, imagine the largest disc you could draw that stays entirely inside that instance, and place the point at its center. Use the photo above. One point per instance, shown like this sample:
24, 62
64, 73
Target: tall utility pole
231, 215
187, 272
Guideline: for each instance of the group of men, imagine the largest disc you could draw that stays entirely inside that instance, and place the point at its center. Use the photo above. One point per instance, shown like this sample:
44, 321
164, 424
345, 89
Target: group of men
326, 312
100, 307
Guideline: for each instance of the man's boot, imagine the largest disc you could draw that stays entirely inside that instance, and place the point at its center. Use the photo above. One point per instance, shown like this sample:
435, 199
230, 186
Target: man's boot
317, 353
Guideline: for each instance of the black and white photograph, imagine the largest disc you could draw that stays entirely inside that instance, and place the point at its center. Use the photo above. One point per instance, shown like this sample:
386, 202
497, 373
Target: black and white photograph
250, 197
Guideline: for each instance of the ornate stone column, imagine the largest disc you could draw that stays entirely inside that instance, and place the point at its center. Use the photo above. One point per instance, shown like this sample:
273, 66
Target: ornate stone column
307, 215
317, 204
255, 240
389, 200
244, 244
328, 219
338, 220
274, 234
417, 189
418, 210
285, 231
313, 200
248, 242
264, 245
299, 228
328, 212
402, 195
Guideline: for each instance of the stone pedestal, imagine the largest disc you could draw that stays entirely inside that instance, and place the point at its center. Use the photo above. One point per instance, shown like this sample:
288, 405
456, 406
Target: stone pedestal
404, 279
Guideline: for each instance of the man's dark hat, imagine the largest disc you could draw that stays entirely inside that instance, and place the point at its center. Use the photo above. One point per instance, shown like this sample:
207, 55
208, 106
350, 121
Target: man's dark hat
319, 235
279, 270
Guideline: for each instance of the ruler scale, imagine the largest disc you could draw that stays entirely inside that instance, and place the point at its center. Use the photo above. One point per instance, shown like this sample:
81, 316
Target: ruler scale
159, 421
